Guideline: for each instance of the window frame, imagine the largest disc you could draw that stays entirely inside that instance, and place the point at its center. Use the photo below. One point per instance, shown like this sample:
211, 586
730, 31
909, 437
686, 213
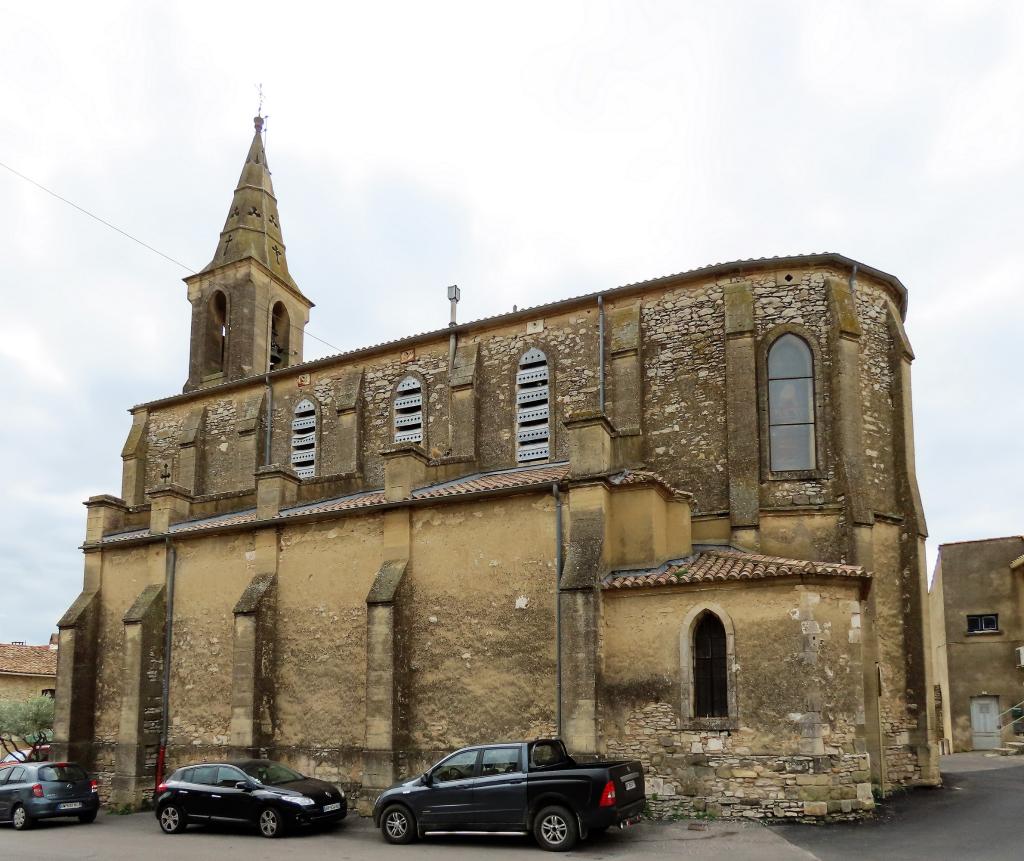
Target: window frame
982, 627
687, 694
308, 469
818, 386
550, 423
396, 394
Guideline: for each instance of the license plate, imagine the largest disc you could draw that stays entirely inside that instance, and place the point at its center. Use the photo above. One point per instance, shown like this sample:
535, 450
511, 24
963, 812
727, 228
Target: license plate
69, 805
630, 785
329, 807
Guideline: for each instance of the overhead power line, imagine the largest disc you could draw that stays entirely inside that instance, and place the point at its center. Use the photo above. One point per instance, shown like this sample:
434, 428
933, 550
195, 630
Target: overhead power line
145, 245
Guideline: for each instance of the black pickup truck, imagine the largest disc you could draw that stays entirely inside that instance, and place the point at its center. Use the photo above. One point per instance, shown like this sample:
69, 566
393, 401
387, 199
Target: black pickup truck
526, 787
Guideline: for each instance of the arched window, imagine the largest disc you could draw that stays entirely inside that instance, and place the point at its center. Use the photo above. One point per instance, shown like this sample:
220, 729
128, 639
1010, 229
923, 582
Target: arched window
791, 405
533, 438
409, 410
216, 333
710, 672
280, 332
304, 439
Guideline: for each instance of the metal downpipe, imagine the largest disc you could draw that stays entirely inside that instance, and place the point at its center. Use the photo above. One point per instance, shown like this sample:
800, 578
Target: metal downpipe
556, 493
170, 564
600, 353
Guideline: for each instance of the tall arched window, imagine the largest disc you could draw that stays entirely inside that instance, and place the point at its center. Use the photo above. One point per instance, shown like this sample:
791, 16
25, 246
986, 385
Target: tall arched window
409, 410
533, 438
304, 439
791, 405
216, 333
280, 332
710, 672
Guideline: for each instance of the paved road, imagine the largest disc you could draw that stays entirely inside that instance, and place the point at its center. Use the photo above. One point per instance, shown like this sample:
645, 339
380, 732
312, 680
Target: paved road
979, 814
129, 838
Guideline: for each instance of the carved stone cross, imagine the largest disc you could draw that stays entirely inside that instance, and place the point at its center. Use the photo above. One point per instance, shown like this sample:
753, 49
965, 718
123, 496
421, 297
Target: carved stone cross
227, 243
277, 253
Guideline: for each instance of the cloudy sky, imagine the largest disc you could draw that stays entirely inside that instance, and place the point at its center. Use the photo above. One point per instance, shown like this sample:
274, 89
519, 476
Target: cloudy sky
528, 152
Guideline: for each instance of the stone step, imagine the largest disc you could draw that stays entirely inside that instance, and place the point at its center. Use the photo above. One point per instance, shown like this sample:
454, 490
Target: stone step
1003, 751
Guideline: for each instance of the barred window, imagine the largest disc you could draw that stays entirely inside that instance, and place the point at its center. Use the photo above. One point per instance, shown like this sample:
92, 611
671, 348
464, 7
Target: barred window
791, 405
304, 439
532, 407
409, 410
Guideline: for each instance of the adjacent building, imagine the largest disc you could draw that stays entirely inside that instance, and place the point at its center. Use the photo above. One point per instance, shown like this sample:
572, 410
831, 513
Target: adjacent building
27, 671
677, 520
977, 616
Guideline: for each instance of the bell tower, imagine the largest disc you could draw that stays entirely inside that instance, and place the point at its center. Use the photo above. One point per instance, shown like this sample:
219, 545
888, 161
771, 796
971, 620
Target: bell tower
248, 314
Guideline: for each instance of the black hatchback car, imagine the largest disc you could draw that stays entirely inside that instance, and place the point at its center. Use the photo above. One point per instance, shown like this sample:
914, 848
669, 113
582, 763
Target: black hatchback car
31, 791
267, 794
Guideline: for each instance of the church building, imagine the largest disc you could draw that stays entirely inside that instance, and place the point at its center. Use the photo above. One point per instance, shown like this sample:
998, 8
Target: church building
676, 520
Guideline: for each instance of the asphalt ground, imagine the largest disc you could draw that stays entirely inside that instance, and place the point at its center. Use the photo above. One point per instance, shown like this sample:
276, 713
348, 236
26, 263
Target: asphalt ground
978, 814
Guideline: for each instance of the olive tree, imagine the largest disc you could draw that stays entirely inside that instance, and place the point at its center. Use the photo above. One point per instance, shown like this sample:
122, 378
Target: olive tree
28, 720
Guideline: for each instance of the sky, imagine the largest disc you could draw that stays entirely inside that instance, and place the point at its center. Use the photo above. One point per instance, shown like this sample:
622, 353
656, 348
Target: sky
528, 152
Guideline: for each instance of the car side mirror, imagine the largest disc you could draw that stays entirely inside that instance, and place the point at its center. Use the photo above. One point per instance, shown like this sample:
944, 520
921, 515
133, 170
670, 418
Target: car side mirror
426, 778
244, 785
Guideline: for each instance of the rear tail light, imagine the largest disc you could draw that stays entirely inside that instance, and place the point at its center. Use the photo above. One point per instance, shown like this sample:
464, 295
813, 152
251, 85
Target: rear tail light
94, 786
161, 788
608, 796
37, 790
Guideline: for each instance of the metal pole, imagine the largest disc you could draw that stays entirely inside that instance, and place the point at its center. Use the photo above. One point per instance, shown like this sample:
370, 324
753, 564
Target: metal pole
600, 353
170, 560
558, 608
454, 294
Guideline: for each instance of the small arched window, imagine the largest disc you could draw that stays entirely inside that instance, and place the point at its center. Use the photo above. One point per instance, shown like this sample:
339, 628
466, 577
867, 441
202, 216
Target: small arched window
216, 332
409, 410
533, 437
304, 439
710, 672
280, 332
791, 405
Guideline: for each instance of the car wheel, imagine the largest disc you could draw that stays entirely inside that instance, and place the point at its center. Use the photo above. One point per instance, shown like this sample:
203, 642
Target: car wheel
172, 819
22, 821
554, 829
270, 822
86, 818
398, 825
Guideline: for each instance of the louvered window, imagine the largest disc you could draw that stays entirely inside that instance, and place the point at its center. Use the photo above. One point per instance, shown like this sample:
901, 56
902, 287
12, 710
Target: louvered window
304, 439
532, 407
409, 411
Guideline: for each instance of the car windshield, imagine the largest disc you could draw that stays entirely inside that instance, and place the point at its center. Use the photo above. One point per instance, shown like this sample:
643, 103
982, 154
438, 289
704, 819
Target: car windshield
62, 772
271, 773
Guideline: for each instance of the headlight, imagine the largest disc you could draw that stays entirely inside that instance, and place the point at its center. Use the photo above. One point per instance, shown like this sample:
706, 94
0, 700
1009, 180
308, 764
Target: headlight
301, 800
341, 792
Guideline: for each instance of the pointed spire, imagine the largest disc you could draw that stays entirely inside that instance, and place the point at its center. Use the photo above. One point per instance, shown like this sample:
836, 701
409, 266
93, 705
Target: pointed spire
253, 226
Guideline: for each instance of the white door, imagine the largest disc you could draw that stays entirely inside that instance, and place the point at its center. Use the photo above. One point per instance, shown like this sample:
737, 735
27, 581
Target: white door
984, 722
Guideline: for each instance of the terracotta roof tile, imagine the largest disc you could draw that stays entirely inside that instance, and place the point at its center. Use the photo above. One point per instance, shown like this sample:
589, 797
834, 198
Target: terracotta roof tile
506, 479
28, 660
231, 519
709, 566
341, 503
643, 476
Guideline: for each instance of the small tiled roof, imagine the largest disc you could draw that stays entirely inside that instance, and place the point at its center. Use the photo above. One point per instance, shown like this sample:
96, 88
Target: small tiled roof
719, 565
506, 479
28, 660
642, 476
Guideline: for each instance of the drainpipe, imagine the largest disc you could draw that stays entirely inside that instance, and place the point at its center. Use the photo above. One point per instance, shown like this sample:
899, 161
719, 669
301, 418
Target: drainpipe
881, 732
171, 556
600, 353
558, 608
269, 431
